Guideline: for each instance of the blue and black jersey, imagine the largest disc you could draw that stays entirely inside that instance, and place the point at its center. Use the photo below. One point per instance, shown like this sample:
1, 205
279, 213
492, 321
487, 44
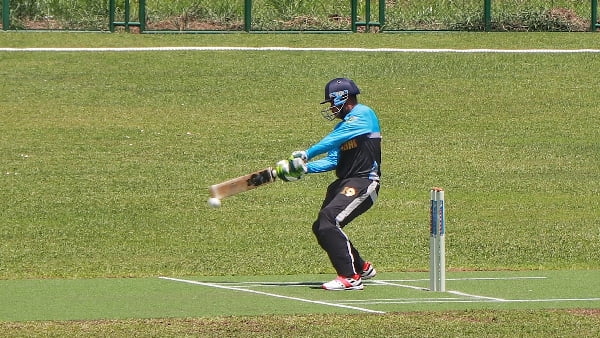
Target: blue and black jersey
353, 147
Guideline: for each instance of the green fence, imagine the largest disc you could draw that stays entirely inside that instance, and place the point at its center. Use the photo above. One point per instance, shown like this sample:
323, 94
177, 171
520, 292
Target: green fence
197, 16
594, 22
5, 14
361, 18
127, 21
364, 15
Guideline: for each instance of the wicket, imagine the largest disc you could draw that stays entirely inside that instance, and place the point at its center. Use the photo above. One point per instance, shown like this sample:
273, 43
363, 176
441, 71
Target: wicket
437, 246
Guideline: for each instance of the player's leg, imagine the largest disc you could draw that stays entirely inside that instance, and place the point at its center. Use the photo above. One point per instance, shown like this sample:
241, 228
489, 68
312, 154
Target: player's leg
345, 201
334, 241
364, 268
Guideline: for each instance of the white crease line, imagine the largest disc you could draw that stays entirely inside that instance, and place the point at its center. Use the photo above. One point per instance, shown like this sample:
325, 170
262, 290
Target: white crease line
458, 293
469, 278
459, 300
380, 282
427, 301
499, 278
271, 294
383, 300
594, 299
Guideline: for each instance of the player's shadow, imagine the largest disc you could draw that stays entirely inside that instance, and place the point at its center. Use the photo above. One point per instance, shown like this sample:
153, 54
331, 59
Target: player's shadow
312, 285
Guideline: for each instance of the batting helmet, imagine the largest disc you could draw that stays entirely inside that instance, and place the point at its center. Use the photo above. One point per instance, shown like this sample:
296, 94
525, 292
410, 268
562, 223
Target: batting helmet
337, 92
338, 87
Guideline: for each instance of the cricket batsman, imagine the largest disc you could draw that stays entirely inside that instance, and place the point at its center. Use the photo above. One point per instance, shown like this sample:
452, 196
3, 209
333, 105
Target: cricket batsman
353, 150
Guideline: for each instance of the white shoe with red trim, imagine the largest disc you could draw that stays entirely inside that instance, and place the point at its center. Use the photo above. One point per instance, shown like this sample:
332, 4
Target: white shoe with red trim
344, 283
368, 271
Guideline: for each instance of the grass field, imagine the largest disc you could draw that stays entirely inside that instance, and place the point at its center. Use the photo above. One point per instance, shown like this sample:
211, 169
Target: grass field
205, 297
106, 157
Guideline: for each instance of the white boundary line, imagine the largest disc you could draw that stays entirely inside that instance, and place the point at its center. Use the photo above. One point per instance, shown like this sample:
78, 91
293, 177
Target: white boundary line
304, 49
270, 294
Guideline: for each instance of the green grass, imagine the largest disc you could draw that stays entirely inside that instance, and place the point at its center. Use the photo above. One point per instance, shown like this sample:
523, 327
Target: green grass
559, 323
418, 40
536, 303
106, 157
216, 296
106, 162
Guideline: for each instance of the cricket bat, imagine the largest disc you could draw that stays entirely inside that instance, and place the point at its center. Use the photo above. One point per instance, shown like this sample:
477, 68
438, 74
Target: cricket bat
242, 183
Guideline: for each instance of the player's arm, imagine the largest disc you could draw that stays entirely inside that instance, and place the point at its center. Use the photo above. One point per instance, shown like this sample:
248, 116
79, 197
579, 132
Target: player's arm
346, 130
324, 164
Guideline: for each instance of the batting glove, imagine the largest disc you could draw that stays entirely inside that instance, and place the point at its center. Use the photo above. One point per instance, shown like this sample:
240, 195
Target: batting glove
301, 154
290, 170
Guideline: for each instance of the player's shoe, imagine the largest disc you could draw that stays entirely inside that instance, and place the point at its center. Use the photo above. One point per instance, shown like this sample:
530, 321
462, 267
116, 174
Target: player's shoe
344, 283
368, 271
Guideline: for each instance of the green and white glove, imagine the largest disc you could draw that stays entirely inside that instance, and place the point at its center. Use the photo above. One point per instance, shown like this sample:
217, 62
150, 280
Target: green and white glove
300, 154
290, 170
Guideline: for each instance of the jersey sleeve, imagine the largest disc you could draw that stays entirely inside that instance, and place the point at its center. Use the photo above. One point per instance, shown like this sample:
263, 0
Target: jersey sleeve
324, 164
355, 124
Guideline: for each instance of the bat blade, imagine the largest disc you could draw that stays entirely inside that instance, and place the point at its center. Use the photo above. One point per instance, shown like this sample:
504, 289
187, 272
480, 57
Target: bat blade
242, 183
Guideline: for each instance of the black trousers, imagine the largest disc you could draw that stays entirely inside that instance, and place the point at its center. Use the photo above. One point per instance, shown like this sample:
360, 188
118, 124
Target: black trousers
346, 199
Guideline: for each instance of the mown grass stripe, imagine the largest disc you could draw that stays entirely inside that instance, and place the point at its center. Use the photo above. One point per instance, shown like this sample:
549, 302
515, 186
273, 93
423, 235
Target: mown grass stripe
304, 49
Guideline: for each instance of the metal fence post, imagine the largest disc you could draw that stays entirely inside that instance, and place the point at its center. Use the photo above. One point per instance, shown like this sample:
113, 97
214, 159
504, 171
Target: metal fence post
367, 15
487, 15
247, 15
111, 15
381, 14
594, 24
367, 23
142, 15
353, 14
5, 14
127, 23
127, 14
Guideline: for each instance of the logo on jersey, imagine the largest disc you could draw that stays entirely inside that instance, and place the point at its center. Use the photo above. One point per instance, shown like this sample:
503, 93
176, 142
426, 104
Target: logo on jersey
348, 191
349, 145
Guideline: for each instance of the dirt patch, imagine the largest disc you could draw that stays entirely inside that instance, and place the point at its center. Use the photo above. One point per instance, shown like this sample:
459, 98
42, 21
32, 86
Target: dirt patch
183, 24
568, 19
41, 24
